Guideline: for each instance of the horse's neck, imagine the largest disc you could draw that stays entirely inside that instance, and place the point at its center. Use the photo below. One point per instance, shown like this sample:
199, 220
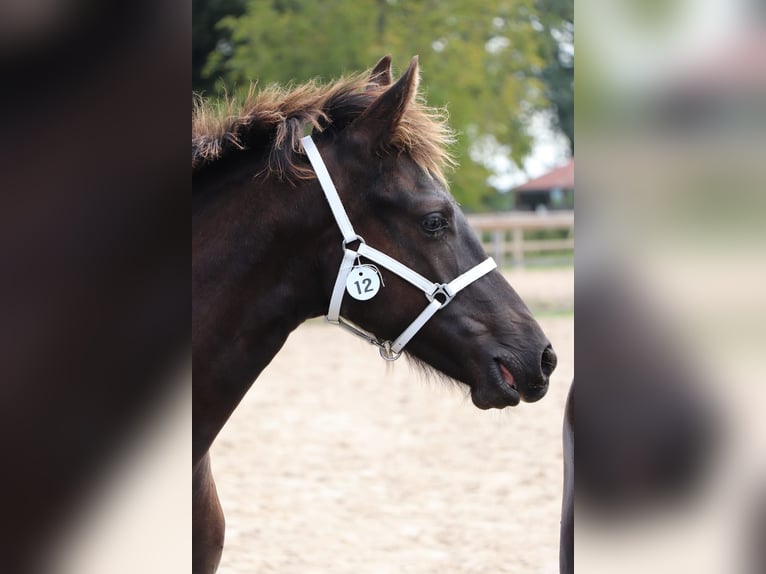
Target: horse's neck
253, 282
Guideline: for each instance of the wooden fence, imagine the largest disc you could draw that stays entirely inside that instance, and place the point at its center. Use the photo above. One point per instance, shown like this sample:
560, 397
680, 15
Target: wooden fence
503, 234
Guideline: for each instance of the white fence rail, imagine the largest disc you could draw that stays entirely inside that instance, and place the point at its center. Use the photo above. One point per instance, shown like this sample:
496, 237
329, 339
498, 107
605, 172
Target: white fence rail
503, 234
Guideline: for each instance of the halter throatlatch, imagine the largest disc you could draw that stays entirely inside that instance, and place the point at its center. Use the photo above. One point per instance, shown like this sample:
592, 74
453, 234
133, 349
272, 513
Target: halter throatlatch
438, 295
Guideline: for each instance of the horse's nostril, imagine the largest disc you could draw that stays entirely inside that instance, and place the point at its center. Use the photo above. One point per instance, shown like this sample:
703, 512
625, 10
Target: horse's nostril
548, 361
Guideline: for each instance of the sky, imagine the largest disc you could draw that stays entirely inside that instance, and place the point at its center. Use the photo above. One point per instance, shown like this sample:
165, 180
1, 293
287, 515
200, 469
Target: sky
549, 150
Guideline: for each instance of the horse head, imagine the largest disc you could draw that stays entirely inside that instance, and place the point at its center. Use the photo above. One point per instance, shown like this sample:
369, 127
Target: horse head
389, 181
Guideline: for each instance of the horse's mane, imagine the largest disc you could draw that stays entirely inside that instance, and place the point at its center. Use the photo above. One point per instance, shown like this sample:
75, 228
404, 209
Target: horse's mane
277, 117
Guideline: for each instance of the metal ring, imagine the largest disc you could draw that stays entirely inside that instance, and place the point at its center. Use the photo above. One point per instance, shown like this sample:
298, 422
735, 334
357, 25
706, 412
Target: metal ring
387, 353
358, 238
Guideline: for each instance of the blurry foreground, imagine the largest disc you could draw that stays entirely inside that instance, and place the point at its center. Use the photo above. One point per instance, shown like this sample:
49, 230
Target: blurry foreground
671, 183
94, 300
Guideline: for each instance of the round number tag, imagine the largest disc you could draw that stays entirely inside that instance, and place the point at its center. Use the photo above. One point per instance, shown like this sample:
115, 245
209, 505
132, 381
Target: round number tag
363, 282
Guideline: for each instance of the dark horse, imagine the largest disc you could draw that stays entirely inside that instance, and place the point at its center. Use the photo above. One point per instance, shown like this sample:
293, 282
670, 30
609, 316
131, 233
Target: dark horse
648, 432
267, 249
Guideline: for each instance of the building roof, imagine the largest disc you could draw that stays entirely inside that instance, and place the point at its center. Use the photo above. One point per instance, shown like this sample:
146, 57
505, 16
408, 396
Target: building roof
562, 176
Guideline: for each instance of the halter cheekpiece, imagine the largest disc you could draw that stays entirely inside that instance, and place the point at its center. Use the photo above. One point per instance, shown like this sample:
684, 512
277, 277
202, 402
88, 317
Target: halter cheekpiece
438, 295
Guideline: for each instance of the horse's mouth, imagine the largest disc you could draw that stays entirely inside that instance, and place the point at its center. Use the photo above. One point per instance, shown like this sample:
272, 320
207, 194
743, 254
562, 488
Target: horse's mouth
507, 376
505, 386
499, 390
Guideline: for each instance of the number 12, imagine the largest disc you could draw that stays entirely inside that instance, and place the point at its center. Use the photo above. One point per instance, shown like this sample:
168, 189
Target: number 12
367, 289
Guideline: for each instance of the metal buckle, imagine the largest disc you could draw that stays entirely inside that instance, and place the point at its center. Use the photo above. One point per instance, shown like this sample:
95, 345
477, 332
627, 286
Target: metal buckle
346, 244
443, 290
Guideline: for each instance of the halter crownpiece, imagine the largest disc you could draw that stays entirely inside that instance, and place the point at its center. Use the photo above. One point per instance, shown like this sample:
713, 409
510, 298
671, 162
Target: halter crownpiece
438, 294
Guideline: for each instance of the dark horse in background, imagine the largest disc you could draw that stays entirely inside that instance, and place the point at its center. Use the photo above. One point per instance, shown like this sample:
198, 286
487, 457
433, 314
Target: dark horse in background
647, 430
266, 252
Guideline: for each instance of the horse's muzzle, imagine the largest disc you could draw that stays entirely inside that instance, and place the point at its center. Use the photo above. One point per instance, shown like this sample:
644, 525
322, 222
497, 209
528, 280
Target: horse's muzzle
509, 382
537, 385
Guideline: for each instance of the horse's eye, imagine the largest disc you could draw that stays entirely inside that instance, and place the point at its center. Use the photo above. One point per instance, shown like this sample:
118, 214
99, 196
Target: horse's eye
434, 222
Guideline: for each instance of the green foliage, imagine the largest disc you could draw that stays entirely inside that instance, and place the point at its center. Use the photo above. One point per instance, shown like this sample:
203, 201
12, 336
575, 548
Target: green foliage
481, 59
206, 36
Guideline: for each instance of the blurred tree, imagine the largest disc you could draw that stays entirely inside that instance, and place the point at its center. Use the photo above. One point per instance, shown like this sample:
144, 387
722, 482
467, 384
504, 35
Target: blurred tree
207, 37
484, 60
557, 20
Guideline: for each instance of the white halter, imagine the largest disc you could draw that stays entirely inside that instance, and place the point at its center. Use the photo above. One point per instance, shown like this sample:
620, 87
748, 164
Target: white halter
437, 294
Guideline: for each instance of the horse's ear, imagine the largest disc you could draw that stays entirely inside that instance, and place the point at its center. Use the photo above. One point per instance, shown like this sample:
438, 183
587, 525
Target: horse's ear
384, 114
381, 73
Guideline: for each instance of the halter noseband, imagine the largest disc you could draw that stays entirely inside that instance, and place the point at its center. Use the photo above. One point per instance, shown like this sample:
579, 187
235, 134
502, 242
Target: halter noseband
438, 294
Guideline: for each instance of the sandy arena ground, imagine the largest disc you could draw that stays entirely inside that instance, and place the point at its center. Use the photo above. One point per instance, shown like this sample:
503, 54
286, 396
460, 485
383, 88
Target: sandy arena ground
336, 464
